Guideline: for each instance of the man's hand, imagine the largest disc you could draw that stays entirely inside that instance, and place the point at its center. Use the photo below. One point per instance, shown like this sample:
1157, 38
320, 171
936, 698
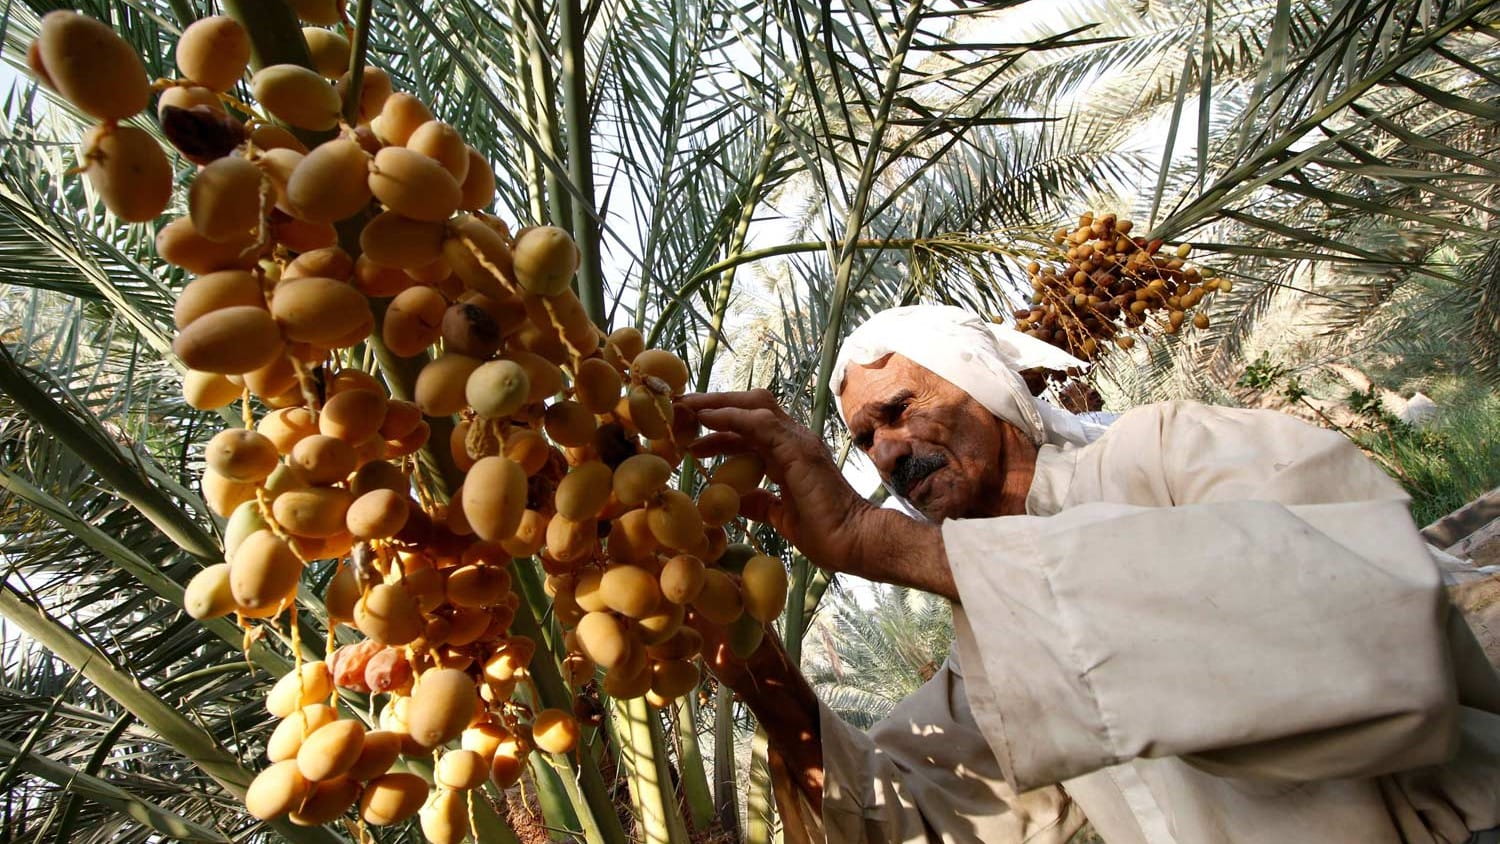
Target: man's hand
817, 511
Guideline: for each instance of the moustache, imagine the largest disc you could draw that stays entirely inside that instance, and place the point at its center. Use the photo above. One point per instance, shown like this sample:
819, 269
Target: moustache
909, 471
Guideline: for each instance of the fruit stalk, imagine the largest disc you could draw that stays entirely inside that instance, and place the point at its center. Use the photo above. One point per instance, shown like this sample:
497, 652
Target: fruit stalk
553, 692
274, 35
521, 42
357, 61
726, 793
640, 739
584, 220
543, 88
699, 799
184, 12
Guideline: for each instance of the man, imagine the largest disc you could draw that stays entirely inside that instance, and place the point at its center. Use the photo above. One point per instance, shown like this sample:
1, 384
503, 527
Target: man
1204, 625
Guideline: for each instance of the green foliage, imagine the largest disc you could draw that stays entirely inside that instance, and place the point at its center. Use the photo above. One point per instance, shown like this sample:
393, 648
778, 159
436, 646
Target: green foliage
1383, 194
1446, 463
875, 646
1442, 328
1263, 374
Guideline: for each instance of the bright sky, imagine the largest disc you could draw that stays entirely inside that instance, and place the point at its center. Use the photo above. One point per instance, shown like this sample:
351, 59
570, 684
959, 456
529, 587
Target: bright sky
9, 76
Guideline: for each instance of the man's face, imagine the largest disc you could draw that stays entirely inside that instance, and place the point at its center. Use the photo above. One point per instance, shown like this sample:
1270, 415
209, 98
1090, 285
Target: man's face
933, 443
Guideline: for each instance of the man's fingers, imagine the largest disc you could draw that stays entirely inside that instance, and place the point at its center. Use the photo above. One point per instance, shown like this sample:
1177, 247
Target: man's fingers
754, 425
718, 445
744, 399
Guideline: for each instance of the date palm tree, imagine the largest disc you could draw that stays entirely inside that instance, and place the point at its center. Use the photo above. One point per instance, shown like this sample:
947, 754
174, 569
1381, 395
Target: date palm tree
747, 181
873, 647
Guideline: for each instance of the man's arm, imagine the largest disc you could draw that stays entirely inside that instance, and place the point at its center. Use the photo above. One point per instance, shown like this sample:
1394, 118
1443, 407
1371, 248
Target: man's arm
816, 510
780, 697
894, 548
1234, 588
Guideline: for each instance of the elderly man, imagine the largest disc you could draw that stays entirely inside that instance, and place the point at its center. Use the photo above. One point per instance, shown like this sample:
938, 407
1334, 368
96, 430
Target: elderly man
1204, 625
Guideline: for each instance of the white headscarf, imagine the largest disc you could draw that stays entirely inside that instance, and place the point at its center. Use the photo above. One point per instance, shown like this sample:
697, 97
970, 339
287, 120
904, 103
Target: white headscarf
982, 358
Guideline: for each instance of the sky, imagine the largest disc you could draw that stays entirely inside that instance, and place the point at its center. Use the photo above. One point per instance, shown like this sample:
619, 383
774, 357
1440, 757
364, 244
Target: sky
9, 76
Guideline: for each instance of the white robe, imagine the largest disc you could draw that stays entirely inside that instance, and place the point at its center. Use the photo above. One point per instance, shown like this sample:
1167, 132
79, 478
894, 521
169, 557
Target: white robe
1213, 625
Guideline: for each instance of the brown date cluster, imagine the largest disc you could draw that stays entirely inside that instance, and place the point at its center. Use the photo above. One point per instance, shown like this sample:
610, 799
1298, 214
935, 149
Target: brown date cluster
1105, 286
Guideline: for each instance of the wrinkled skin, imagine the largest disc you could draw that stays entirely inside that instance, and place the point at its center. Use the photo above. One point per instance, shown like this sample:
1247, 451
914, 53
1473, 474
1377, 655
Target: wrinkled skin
934, 444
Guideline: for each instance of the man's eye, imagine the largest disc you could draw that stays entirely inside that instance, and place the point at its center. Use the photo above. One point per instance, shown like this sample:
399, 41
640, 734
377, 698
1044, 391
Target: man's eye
864, 441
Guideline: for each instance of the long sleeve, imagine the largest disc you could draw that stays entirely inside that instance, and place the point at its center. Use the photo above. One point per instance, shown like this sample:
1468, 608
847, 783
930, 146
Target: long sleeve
925, 773
1231, 587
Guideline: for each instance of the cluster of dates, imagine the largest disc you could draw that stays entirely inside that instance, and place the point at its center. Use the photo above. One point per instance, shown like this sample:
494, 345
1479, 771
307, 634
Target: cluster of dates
1104, 285
567, 439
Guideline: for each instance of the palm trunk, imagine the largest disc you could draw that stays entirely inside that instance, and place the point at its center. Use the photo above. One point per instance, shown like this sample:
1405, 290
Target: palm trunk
643, 747
760, 809
700, 800
726, 800
580, 159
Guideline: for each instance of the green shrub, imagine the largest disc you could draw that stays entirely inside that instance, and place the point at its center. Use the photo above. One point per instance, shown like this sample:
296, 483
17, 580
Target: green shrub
1446, 463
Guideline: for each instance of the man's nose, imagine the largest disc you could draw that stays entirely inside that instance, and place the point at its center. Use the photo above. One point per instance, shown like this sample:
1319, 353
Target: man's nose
889, 449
